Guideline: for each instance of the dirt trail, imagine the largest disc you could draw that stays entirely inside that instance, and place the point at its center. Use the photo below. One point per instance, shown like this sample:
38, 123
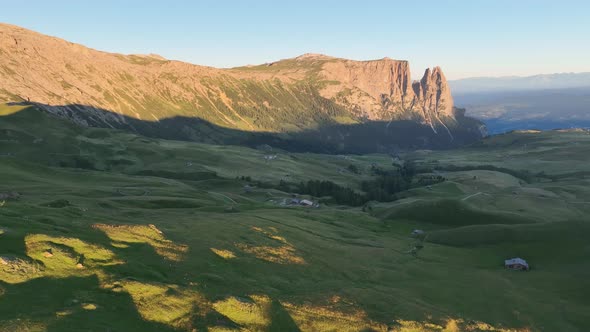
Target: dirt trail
473, 195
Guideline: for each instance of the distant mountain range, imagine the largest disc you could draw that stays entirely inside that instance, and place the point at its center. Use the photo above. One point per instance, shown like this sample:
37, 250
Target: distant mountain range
534, 102
520, 83
335, 104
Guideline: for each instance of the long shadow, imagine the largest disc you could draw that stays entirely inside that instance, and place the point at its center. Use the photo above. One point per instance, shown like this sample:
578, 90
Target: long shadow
118, 310
142, 262
330, 137
280, 319
68, 305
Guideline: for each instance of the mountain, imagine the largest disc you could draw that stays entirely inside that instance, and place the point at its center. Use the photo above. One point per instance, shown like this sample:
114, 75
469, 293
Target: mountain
532, 109
290, 100
541, 102
517, 83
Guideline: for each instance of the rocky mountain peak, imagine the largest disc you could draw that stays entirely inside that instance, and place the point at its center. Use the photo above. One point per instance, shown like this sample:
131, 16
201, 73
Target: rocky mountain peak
434, 92
381, 89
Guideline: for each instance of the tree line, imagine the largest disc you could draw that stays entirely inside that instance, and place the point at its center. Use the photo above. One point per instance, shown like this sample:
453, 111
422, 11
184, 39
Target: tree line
383, 187
525, 175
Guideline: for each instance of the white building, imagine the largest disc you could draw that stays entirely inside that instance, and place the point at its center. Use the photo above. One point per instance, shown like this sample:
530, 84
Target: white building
516, 264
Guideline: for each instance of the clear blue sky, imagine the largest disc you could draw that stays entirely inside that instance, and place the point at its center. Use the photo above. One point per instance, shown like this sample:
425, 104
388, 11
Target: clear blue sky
466, 38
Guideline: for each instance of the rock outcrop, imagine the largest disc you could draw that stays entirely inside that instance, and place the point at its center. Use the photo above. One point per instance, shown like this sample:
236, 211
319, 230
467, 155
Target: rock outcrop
383, 89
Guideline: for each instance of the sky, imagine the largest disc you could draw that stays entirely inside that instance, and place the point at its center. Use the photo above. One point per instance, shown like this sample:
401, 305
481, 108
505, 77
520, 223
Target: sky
466, 38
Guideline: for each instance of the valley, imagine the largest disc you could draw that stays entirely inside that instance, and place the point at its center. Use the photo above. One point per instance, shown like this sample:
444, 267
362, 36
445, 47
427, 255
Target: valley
310, 193
540, 102
103, 229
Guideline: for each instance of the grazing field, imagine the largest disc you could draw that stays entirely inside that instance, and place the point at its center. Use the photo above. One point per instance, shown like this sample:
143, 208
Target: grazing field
102, 230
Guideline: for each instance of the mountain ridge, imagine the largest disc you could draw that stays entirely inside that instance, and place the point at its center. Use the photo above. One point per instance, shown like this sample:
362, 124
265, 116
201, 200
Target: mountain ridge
521, 83
290, 95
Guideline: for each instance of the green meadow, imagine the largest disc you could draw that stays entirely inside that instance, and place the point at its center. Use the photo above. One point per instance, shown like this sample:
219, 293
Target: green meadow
104, 230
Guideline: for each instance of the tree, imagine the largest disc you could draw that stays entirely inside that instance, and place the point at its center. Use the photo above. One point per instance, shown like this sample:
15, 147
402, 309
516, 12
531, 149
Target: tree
353, 169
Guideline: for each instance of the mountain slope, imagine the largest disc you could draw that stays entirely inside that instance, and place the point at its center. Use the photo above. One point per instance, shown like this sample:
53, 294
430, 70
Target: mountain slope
290, 96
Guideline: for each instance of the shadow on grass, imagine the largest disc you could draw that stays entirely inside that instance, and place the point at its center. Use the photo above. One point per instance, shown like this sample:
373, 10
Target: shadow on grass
71, 304
280, 319
329, 137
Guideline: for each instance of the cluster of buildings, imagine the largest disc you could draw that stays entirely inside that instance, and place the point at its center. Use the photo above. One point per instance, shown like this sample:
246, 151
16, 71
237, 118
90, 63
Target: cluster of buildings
299, 202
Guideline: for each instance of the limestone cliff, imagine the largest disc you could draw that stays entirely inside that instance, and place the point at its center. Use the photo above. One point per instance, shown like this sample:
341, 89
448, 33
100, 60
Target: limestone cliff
383, 89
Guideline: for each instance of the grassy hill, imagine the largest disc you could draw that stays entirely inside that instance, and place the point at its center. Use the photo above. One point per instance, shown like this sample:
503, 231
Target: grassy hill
103, 230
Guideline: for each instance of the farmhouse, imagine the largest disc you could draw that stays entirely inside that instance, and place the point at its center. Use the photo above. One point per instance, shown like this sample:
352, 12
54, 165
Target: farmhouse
306, 202
268, 158
300, 202
417, 232
516, 264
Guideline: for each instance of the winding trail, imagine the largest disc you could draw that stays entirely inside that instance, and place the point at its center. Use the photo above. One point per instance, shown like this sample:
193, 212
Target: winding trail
222, 195
407, 202
473, 195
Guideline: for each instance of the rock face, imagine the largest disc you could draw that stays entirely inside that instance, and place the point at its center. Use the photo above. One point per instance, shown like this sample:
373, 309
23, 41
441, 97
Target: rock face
293, 95
383, 89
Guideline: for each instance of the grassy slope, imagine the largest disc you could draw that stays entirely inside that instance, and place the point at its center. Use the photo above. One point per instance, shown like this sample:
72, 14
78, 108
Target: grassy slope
164, 252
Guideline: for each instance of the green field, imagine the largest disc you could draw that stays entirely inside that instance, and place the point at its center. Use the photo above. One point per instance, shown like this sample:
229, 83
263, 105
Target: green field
118, 232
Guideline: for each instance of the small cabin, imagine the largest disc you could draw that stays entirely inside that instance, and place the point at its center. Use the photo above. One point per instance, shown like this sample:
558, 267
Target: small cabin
518, 264
306, 202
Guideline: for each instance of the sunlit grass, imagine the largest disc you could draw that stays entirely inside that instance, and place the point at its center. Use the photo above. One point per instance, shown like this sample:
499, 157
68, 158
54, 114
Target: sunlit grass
282, 254
6, 109
168, 304
221, 329
50, 256
144, 234
120, 245
450, 325
271, 233
63, 313
16, 270
25, 325
252, 312
325, 318
225, 254
63, 256
279, 255
89, 306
